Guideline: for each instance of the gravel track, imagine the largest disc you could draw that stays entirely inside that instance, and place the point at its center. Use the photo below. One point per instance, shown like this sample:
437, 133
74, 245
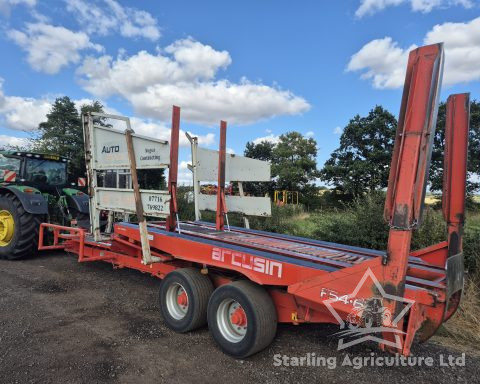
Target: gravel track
65, 322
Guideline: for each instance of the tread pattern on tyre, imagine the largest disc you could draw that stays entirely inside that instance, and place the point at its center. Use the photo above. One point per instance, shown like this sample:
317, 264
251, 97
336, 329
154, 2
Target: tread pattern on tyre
29, 225
202, 288
264, 311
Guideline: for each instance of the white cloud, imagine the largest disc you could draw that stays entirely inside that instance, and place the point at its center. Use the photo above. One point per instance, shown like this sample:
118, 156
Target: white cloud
462, 50
383, 62
204, 140
310, 134
231, 151
111, 17
148, 127
158, 130
270, 138
22, 113
26, 113
184, 165
191, 63
197, 61
184, 174
12, 141
369, 7
184, 74
49, 48
184, 178
338, 130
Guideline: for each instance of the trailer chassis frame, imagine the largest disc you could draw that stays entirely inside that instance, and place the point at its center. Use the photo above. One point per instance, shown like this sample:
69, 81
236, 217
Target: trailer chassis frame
307, 278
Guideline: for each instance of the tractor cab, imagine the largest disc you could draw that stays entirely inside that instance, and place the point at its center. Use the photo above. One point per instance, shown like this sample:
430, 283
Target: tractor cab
42, 171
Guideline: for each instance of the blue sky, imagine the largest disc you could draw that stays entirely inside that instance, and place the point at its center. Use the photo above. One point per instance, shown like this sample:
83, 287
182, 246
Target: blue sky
265, 66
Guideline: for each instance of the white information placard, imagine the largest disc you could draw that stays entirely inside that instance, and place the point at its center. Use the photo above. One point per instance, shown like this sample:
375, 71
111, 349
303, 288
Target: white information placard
248, 205
111, 152
155, 203
237, 168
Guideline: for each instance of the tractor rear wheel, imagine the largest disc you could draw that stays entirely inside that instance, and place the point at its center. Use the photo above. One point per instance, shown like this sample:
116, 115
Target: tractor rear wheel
18, 229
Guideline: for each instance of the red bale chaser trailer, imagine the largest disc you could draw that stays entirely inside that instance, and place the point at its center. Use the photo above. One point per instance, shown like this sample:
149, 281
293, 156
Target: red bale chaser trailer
243, 282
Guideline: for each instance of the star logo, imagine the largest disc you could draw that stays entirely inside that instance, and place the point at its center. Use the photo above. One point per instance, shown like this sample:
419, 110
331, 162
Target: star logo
368, 320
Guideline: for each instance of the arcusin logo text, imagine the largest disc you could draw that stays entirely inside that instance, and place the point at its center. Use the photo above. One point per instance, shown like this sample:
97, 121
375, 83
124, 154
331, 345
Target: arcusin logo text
255, 263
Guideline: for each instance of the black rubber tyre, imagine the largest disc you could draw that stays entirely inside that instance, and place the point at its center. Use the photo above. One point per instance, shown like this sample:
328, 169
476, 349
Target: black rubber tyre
83, 219
25, 237
261, 317
198, 289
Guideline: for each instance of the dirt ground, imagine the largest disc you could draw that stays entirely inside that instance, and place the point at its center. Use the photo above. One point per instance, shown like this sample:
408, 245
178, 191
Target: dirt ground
65, 322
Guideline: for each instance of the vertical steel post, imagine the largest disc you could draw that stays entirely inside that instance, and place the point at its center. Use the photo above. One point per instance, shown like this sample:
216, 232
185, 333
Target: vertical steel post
196, 182
193, 168
454, 190
142, 223
173, 169
88, 157
89, 144
221, 206
410, 165
241, 193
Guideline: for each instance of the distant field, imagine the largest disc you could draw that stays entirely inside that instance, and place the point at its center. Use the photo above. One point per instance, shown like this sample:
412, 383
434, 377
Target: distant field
429, 198
432, 199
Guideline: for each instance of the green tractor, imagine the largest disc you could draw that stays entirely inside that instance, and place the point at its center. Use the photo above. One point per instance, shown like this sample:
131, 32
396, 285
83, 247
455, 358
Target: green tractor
34, 188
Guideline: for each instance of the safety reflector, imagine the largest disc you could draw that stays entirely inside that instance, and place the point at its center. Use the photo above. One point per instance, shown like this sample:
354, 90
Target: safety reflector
9, 176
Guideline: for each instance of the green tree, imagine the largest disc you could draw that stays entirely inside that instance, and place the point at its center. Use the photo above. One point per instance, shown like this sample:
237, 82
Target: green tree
152, 178
261, 151
473, 165
62, 133
361, 162
9, 147
294, 163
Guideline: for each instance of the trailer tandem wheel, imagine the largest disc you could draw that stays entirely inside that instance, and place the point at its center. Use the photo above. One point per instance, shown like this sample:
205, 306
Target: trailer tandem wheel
184, 295
242, 318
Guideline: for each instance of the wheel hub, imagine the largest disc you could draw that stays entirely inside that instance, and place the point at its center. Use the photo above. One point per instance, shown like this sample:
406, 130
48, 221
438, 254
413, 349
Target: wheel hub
239, 317
177, 301
182, 299
7, 228
232, 320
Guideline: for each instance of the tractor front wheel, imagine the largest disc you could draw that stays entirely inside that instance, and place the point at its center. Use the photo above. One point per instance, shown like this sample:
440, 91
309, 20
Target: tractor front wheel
18, 229
83, 219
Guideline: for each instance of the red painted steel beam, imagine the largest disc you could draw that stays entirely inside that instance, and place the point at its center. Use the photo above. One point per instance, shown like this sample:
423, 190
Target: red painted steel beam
455, 181
221, 206
410, 165
455, 168
411, 157
173, 169
414, 136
